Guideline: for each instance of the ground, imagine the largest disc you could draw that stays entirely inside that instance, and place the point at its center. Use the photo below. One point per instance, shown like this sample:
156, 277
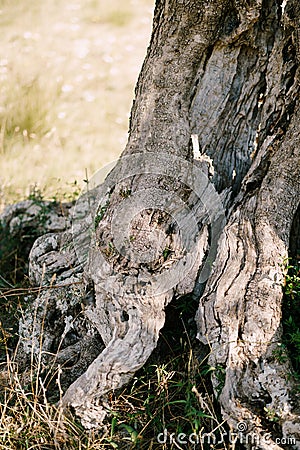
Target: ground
67, 72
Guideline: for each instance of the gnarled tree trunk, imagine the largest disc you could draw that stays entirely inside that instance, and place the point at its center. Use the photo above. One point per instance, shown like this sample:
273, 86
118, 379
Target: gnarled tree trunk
226, 73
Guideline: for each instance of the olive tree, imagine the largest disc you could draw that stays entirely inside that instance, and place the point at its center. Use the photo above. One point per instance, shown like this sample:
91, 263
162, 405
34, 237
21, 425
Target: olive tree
204, 199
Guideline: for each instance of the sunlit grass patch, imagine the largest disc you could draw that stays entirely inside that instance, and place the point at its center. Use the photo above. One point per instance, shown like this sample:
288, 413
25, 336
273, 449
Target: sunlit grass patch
26, 110
117, 13
12, 10
9, 3
80, 73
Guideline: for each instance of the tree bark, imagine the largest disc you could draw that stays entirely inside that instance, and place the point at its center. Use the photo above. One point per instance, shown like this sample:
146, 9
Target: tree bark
157, 186
228, 73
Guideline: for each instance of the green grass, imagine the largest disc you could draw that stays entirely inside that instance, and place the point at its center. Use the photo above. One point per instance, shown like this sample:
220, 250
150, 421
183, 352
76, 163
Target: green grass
291, 316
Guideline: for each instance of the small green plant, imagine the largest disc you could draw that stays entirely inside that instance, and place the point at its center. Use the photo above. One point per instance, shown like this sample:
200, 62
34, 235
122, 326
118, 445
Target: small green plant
219, 372
271, 415
35, 194
125, 193
67, 193
109, 250
100, 214
167, 251
290, 315
280, 353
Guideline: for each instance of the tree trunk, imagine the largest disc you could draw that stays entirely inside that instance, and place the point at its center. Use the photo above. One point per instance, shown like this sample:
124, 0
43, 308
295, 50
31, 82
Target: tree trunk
227, 74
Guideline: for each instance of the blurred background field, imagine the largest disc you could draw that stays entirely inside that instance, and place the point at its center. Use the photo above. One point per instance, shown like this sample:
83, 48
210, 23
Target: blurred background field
67, 76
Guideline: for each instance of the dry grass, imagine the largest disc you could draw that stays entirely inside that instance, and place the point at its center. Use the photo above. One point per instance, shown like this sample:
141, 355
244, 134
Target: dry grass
67, 73
170, 395
26, 112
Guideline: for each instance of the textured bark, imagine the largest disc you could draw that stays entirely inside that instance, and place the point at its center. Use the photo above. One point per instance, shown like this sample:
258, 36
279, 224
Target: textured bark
240, 311
54, 330
133, 290
227, 72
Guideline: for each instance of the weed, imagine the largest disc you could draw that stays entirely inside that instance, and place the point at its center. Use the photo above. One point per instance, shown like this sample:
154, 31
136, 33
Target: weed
167, 251
125, 193
100, 214
110, 250
68, 193
219, 372
290, 315
281, 353
271, 415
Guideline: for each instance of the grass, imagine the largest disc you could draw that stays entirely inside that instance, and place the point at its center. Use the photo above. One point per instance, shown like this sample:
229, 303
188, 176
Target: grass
64, 108
64, 111
117, 13
291, 317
